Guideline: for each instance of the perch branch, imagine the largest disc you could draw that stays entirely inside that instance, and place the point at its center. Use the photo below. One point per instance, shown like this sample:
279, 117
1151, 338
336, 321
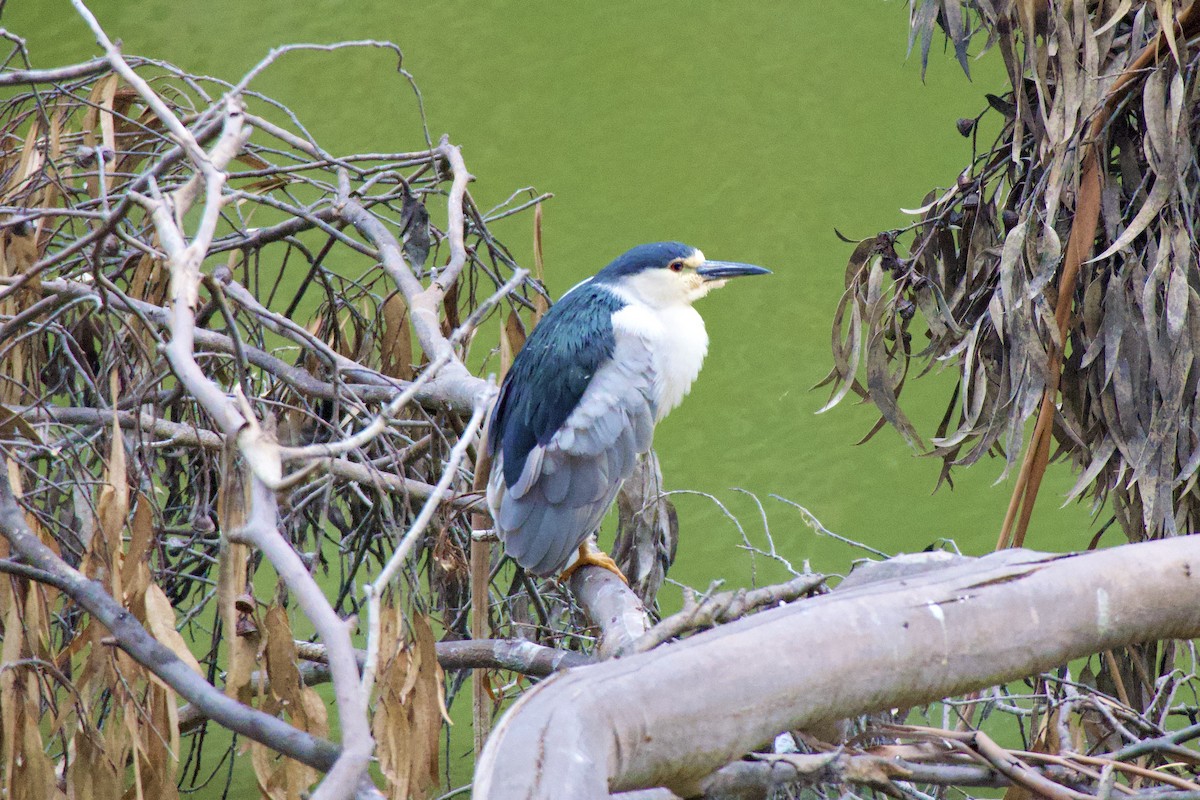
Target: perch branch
619, 726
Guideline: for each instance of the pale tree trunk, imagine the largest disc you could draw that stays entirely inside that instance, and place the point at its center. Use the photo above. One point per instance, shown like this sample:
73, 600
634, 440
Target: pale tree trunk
672, 716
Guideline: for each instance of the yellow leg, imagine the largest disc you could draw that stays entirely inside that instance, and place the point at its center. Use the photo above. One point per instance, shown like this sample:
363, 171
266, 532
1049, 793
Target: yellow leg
592, 557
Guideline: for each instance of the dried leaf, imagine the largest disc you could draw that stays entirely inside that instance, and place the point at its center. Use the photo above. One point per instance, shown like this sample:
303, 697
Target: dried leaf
540, 304
410, 707
160, 621
232, 581
396, 352
512, 339
278, 776
91, 774
647, 530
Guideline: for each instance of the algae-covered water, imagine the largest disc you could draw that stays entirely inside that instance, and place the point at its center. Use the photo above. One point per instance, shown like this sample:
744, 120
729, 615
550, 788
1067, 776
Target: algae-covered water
748, 130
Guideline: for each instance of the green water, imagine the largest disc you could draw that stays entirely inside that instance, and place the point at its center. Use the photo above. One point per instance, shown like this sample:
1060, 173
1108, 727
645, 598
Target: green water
750, 131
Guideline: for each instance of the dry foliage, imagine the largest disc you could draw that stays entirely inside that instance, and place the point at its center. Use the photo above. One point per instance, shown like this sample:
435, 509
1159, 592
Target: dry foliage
97, 707
281, 778
408, 721
1058, 276
129, 479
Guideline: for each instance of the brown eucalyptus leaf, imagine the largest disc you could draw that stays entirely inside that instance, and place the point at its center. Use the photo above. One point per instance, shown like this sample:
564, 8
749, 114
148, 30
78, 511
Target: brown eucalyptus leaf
846, 362
410, 708
1158, 197
1152, 321
112, 508
1116, 321
956, 31
11, 647
1177, 300
1099, 461
283, 777
1166, 22
281, 656
103, 87
1044, 256
99, 129
233, 578
135, 573
396, 351
91, 774
450, 304
27, 165
864, 251
540, 304
33, 776
647, 530
160, 731
1010, 256
921, 24
512, 339
160, 622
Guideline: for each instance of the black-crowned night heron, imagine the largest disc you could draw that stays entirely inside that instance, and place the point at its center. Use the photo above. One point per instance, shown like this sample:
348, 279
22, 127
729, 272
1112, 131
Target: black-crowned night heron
580, 403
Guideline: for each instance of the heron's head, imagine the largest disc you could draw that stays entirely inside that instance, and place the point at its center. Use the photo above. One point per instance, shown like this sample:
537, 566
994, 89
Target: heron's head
670, 273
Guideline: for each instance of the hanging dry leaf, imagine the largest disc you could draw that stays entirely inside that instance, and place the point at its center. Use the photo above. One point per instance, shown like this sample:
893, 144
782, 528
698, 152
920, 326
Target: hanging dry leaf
91, 774
512, 339
540, 304
410, 706
232, 581
160, 621
282, 778
396, 352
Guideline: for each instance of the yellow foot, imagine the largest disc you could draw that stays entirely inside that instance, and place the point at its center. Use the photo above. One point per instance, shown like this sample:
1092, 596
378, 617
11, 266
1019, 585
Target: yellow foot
591, 557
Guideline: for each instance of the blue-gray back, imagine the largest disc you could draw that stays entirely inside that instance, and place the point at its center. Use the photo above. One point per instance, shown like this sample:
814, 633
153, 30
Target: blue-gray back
551, 373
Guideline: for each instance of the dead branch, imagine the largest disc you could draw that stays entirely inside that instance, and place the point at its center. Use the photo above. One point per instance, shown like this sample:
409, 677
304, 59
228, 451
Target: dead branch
721, 608
27, 77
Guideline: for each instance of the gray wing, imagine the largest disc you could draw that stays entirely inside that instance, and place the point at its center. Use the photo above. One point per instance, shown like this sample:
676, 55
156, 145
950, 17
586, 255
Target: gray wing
568, 485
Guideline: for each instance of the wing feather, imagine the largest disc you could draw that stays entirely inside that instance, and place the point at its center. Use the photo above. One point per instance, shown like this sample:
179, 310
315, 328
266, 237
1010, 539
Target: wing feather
566, 486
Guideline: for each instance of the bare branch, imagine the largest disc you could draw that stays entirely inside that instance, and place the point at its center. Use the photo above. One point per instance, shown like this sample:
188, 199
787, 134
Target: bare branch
172, 123
457, 226
722, 608
19, 77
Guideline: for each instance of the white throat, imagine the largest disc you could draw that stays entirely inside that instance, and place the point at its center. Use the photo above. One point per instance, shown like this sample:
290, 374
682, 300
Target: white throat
674, 332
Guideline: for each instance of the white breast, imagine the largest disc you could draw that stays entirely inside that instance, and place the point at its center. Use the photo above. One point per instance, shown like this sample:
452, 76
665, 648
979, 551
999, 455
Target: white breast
679, 342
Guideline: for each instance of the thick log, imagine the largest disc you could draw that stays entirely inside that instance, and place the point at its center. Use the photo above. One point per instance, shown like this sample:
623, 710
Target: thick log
672, 716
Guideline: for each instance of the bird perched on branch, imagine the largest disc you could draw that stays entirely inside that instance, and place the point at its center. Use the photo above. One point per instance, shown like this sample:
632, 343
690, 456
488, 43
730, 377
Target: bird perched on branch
579, 405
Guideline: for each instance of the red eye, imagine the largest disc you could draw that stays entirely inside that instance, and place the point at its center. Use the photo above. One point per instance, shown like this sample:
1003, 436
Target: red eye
675, 266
